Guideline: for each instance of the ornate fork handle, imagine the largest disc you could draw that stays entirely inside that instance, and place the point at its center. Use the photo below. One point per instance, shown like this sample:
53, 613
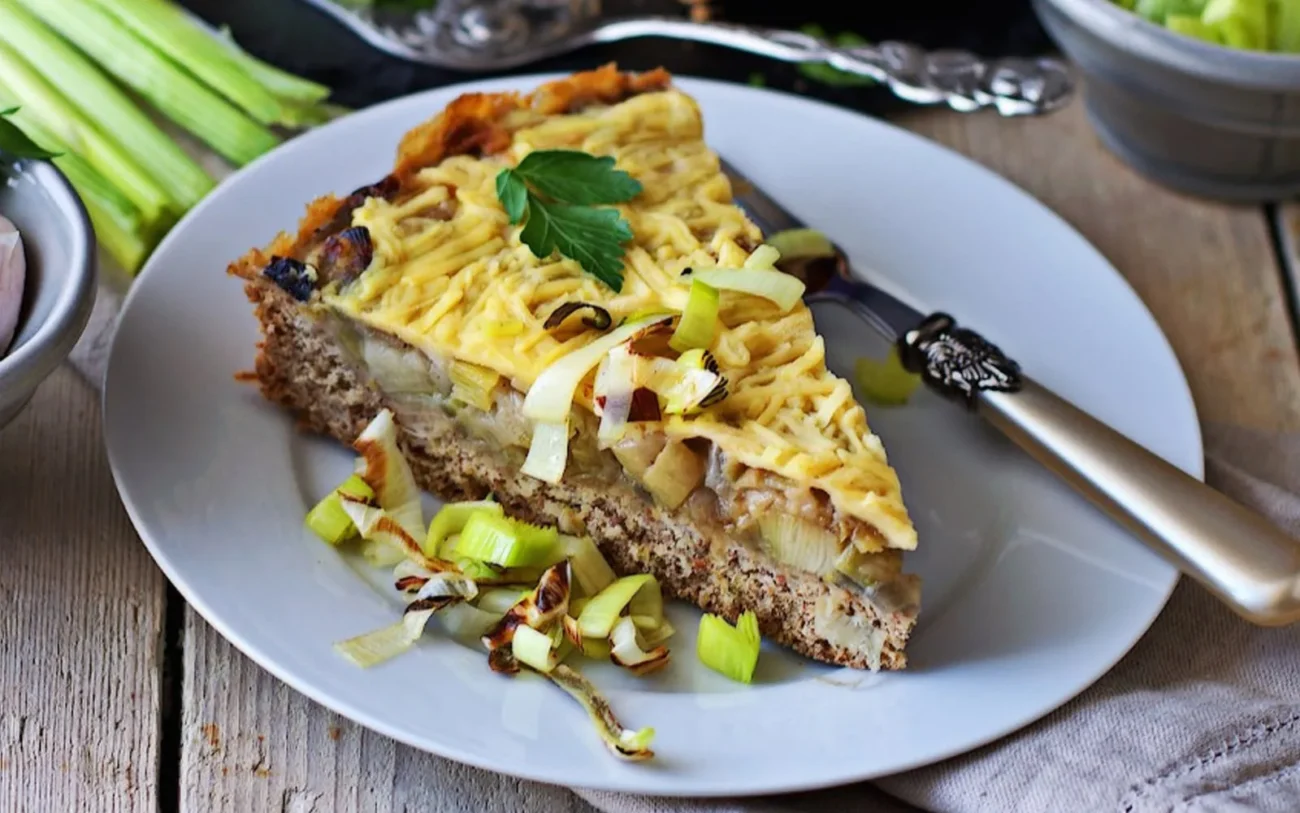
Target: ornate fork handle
959, 79
483, 35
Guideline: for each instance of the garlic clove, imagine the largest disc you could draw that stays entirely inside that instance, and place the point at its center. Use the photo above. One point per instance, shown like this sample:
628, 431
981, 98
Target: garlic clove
13, 271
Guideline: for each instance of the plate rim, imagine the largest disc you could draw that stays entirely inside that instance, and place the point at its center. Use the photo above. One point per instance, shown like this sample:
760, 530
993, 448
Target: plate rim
446, 749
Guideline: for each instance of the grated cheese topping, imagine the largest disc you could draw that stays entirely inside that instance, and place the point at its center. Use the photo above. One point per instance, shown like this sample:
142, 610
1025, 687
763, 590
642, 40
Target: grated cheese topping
449, 270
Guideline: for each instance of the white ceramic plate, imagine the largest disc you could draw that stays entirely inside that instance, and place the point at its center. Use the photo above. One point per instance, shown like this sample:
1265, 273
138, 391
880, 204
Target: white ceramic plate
1030, 595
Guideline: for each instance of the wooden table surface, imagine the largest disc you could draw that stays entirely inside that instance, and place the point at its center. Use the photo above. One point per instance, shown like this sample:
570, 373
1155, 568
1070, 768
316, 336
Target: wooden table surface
114, 695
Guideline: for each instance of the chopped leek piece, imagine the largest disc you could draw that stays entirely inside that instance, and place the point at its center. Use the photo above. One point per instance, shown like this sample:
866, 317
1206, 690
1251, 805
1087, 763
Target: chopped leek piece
576, 604
490, 537
451, 519
590, 570
655, 637
166, 27
594, 648
479, 571
886, 382
473, 384
728, 650
699, 320
466, 622
602, 611
763, 258
387, 642
176, 93
687, 389
648, 604
625, 743
770, 284
626, 651
795, 244
448, 584
534, 649
75, 133
548, 452
381, 552
675, 473
499, 599
328, 519
550, 397
388, 473
97, 99
794, 541
613, 389
378, 526
868, 569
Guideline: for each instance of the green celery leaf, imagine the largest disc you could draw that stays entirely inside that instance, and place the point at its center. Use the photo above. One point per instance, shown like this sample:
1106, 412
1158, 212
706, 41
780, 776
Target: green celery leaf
592, 237
577, 178
513, 194
16, 143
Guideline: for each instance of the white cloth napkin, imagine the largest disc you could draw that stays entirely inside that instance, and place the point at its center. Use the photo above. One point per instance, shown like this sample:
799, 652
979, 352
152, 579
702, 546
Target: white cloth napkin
1202, 715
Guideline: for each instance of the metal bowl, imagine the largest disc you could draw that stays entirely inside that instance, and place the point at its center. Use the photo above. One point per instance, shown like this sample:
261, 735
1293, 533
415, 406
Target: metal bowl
1210, 121
60, 286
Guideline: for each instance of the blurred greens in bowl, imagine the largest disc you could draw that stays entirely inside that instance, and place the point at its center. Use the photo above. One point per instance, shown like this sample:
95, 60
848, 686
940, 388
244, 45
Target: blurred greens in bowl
1252, 25
1214, 113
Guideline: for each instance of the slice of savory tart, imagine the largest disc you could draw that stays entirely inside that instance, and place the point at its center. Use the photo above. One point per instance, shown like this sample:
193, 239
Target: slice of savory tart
562, 306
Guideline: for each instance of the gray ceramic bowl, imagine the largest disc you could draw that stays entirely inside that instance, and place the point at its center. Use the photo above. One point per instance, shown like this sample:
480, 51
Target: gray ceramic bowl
60, 287
1206, 120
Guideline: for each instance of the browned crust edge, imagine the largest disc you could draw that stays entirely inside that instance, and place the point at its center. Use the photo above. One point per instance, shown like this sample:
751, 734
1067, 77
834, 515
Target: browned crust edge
471, 124
300, 368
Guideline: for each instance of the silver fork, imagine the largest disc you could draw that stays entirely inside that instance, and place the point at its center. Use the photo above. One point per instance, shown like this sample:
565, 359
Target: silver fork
487, 35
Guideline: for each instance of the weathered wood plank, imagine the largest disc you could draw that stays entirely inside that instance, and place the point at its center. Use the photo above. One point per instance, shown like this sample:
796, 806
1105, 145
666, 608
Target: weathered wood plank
81, 619
251, 743
1207, 271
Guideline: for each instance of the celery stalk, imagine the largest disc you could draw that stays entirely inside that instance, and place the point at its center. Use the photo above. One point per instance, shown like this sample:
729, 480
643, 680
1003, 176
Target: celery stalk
285, 85
127, 248
76, 78
167, 28
175, 93
43, 107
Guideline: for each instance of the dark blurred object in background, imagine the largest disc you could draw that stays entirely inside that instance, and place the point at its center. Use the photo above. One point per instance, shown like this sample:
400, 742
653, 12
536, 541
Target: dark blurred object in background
305, 40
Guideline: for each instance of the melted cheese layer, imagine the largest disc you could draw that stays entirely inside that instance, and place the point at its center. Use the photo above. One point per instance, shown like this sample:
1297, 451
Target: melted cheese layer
446, 284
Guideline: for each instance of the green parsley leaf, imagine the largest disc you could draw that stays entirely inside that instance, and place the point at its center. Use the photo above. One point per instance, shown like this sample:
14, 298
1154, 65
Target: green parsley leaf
513, 194
593, 237
14, 142
554, 194
577, 178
